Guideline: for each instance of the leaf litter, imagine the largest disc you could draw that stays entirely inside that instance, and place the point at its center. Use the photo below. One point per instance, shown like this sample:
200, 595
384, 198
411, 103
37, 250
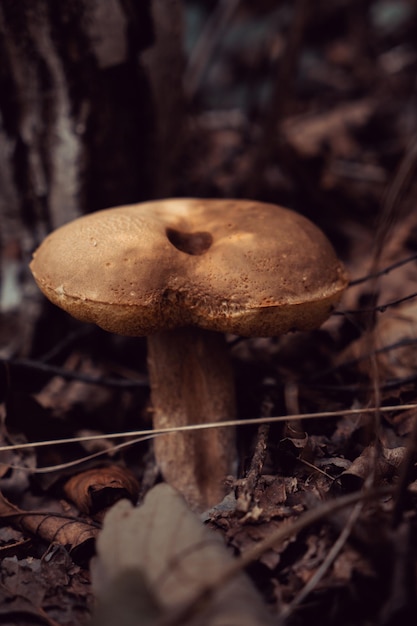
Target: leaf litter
344, 155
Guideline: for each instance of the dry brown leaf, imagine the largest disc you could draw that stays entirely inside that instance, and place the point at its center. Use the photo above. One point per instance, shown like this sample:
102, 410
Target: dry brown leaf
307, 134
77, 536
100, 487
245, 537
385, 463
62, 395
166, 544
398, 332
349, 562
12, 543
395, 339
51, 591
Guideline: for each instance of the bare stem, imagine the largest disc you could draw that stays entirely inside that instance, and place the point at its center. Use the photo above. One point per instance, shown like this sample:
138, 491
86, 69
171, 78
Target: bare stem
192, 383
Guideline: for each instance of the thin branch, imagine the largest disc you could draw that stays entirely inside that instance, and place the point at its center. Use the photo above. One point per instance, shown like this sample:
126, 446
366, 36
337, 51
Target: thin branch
383, 272
402, 343
206, 45
326, 564
378, 308
224, 424
71, 375
407, 468
67, 341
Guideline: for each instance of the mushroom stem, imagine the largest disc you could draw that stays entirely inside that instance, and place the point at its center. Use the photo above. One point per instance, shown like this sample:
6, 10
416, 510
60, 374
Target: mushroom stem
192, 383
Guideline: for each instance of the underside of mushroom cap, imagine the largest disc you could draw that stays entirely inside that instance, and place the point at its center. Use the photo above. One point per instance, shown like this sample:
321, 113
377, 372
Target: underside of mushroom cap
237, 266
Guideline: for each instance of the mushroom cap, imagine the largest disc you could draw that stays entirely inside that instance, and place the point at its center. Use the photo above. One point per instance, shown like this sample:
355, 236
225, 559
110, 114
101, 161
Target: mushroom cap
236, 266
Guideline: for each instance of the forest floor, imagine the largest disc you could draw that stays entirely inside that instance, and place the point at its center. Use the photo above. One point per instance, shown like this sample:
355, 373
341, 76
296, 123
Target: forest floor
333, 136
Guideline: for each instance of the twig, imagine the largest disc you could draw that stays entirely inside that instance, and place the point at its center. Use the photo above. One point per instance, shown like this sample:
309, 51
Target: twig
402, 343
328, 561
407, 468
225, 424
247, 490
378, 308
203, 51
392, 383
395, 192
383, 272
71, 375
71, 338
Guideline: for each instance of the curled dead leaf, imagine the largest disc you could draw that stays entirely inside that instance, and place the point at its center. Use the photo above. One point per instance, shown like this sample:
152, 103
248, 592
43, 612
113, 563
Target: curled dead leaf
384, 462
99, 488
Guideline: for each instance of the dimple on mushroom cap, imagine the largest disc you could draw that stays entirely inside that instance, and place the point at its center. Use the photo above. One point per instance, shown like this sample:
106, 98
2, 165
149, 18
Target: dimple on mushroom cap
238, 266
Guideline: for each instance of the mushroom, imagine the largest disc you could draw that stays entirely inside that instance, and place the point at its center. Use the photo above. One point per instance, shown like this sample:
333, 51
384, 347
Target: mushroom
184, 272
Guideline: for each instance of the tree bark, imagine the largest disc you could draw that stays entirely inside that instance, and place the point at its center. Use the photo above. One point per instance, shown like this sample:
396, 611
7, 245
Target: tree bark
81, 121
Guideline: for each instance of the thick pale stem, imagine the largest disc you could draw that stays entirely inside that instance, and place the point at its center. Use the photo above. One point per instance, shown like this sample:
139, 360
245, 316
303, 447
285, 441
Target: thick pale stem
192, 383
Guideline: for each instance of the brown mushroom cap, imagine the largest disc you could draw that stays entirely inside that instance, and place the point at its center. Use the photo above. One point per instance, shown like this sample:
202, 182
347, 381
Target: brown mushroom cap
237, 266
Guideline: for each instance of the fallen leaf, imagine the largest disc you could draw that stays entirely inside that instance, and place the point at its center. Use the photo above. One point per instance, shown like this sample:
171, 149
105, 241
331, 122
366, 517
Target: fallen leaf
75, 535
98, 488
52, 591
164, 547
384, 462
308, 133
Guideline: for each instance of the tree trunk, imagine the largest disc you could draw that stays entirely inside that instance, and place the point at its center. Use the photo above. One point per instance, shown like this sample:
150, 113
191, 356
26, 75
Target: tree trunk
84, 123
